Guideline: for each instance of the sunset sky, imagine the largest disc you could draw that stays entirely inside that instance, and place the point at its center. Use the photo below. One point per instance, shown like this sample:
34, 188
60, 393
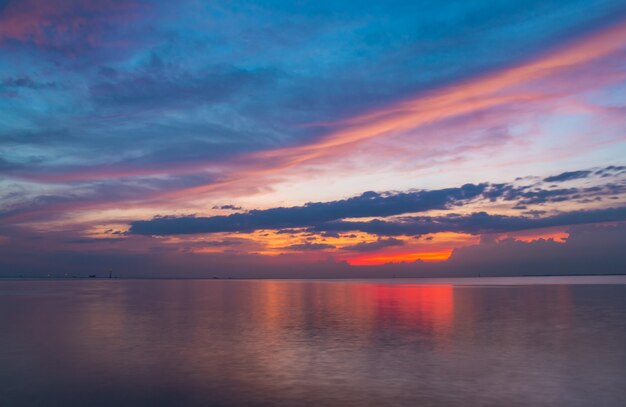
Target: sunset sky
308, 139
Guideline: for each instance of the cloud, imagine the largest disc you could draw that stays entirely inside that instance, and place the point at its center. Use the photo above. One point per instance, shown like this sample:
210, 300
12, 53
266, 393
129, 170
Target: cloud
6, 165
67, 25
568, 176
330, 217
539, 193
221, 243
307, 246
24, 81
227, 207
374, 246
165, 87
312, 214
588, 250
87, 240
611, 171
18, 203
474, 223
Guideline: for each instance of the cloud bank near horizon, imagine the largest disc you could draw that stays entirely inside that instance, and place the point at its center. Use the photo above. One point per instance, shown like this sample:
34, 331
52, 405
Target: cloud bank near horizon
330, 216
589, 249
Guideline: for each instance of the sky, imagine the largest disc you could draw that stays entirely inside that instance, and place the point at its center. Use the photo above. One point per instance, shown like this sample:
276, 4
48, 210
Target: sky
312, 139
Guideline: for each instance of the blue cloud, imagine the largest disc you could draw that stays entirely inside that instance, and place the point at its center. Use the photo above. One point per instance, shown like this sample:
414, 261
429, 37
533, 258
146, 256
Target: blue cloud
367, 204
474, 223
328, 217
568, 176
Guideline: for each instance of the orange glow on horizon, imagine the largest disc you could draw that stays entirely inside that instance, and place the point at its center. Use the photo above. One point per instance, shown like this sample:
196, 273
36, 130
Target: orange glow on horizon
378, 259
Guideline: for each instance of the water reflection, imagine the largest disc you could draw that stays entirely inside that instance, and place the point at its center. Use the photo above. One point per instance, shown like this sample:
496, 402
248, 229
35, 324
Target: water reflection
180, 342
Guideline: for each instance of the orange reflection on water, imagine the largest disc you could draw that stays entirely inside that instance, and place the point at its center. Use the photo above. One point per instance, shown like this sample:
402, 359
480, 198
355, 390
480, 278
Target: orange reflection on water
346, 306
428, 307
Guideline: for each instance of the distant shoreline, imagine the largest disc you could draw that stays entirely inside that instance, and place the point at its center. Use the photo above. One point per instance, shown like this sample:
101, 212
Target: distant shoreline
304, 278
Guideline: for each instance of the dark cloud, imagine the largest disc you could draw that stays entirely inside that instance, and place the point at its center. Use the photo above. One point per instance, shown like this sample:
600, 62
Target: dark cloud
286, 232
87, 240
611, 170
157, 87
568, 176
327, 217
312, 214
6, 165
475, 223
535, 213
227, 207
222, 243
374, 246
307, 246
24, 81
538, 194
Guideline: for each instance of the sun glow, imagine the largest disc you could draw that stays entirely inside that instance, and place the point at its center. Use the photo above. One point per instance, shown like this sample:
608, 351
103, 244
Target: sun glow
400, 258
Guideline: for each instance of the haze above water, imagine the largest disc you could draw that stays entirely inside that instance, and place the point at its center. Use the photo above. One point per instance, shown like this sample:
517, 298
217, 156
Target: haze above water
490, 342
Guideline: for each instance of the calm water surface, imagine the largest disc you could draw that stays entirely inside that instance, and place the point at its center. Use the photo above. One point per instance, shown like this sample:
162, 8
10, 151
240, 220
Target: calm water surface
313, 343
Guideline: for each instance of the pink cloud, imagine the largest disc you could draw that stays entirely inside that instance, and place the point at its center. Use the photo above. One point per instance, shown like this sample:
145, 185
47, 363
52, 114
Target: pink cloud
58, 24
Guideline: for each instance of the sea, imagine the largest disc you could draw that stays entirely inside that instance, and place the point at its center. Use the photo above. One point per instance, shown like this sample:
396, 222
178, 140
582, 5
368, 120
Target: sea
527, 341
